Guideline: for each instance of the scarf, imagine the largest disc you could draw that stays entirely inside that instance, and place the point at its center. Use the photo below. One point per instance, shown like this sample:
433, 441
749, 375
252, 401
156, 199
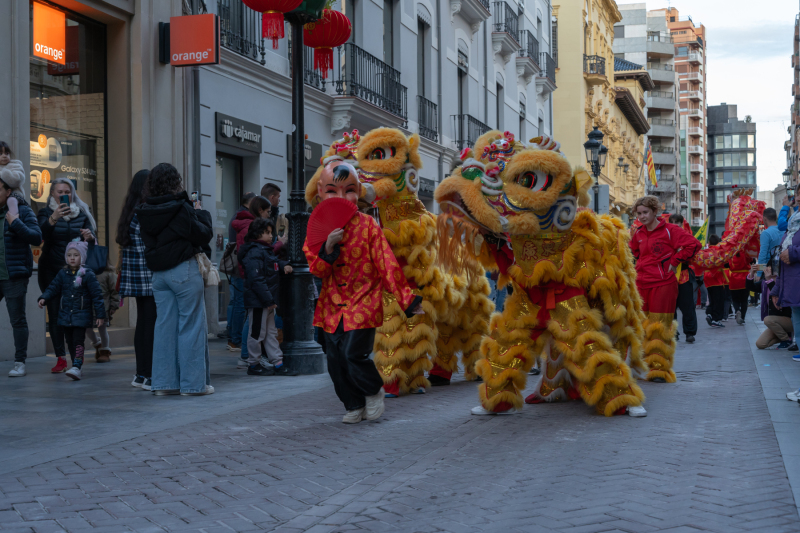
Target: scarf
74, 210
792, 228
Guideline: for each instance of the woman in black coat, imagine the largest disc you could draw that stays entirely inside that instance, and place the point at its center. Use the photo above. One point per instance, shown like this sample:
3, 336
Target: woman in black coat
61, 223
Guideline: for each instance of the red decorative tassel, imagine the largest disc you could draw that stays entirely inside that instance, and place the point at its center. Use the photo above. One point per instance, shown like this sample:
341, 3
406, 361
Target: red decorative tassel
323, 61
272, 26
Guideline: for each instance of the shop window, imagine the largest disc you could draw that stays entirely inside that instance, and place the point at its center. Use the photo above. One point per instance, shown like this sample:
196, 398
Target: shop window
68, 117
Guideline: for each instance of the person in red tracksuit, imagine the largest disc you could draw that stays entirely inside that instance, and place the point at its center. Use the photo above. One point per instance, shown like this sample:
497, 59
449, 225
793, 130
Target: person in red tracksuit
715, 281
659, 247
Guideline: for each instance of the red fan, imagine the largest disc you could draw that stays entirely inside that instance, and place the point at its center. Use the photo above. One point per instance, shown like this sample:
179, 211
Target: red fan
330, 214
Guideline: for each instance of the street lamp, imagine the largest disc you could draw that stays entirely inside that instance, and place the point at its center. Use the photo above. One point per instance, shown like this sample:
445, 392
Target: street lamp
786, 175
596, 154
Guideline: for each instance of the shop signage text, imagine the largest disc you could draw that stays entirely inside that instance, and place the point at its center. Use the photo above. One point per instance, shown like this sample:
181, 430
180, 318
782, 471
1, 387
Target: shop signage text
49, 33
194, 40
237, 133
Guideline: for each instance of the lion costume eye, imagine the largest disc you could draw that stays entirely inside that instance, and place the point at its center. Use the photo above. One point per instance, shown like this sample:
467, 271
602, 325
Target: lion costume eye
535, 180
383, 153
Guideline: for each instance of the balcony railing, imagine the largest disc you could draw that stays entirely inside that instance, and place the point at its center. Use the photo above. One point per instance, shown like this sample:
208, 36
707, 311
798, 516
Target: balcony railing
467, 129
240, 29
697, 205
594, 65
659, 66
660, 94
662, 149
548, 66
428, 118
365, 76
311, 77
695, 131
661, 121
659, 37
667, 177
696, 168
697, 186
505, 19
529, 46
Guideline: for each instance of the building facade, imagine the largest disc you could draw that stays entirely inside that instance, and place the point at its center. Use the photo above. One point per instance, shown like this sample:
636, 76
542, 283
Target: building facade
643, 37
732, 160
604, 93
792, 175
690, 63
447, 70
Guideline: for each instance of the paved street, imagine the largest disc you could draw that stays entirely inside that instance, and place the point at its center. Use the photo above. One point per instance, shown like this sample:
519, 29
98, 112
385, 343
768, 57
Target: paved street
271, 454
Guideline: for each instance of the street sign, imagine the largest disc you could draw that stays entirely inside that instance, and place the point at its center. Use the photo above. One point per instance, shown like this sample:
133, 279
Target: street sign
603, 199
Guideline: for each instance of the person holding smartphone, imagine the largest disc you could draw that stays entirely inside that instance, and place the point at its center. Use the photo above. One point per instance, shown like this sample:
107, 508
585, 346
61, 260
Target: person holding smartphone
66, 218
789, 208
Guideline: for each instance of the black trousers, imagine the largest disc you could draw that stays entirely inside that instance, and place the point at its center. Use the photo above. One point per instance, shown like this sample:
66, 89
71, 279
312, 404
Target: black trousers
687, 306
75, 337
739, 299
716, 297
46, 276
145, 334
728, 302
353, 373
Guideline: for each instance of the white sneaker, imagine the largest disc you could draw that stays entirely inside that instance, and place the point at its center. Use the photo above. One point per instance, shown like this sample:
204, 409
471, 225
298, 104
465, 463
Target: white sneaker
420, 390
793, 396
147, 385
375, 405
74, 373
242, 363
739, 319
480, 411
636, 411
355, 416
18, 371
209, 390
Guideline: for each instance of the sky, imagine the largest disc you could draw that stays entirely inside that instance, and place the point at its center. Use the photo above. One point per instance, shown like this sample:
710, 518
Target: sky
749, 48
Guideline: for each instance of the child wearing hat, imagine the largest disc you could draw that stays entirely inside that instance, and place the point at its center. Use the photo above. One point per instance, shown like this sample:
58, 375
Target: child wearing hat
80, 293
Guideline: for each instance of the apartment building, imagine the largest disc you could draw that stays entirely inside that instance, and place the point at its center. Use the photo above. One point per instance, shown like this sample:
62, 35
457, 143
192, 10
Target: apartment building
643, 37
791, 176
604, 92
690, 63
732, 160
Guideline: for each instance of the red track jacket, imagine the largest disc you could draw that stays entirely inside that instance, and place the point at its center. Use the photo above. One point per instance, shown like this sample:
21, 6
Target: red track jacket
655, 251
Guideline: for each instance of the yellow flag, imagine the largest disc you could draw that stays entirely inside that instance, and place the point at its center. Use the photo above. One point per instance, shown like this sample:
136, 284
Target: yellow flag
651, 168
702, 233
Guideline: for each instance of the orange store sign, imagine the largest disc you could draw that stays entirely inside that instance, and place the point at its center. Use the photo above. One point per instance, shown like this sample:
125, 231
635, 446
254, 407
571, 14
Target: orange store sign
49, 33
194, 40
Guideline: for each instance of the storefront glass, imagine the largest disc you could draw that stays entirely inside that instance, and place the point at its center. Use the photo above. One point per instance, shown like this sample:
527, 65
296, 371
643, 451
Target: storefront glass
227, 196
68, 107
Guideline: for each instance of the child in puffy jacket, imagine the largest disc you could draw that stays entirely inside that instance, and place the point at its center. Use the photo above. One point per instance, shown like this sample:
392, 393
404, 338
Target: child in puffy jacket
80, 297
262, 270
100, 340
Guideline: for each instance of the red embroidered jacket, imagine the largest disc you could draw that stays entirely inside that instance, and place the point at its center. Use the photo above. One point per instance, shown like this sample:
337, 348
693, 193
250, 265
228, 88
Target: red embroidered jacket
354, 281
655, 251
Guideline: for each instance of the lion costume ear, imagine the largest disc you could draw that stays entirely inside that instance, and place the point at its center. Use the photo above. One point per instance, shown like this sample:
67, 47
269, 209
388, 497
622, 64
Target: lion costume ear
413, 151
582, 184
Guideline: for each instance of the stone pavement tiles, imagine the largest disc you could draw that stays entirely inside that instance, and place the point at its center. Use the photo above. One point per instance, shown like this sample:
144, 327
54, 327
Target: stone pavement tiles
705, 459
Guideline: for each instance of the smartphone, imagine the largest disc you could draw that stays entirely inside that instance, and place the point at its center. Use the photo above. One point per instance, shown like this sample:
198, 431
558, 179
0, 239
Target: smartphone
761, 268
195, 195
65, 199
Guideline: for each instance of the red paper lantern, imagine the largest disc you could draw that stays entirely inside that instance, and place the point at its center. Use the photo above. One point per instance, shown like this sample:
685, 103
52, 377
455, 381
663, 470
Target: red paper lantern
272, 16
330, 31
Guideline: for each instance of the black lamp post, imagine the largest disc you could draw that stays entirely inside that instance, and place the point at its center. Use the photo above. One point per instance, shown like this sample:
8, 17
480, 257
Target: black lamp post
787, 174
300, 351
596, 154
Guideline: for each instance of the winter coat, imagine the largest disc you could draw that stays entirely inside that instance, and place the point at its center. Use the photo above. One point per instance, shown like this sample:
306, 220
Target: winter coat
78, 304
787, 288
655, 251
108, 285
57, 237
173, 231
262, 271
231, 230
18, 239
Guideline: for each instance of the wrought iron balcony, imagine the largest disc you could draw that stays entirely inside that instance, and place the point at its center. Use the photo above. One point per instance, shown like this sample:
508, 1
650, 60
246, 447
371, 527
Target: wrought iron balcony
365, 76
311, 77
240, 29
548, 65
428, 118
594, 65
529, 46
466, 130
505, 19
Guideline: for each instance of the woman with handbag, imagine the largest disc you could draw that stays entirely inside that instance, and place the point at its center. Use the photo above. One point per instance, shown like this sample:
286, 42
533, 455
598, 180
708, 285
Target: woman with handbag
175, 231
66, 218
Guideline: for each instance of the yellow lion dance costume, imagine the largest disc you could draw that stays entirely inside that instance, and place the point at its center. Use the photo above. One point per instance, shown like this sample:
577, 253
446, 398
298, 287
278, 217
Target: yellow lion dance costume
574, 299
457, 308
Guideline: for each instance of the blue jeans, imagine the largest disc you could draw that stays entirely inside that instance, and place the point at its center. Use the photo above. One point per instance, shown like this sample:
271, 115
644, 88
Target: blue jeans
796, 322
236, 311
180, 347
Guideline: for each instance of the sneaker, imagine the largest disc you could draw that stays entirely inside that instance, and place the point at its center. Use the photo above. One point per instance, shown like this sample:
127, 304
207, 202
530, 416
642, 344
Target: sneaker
166, 392
796, 358
480, 411
715, 324
689, 339
375, 405
283, 370
739, 319
783, 345
18, 371
534, 371
793, 396
708, 320
677, 335
390, 395
234, 347
147, 385
258, 370
74, 373
209, 390
61, 366
793, 347
355, 416
137, 381
420, 390
242, 363
636, 411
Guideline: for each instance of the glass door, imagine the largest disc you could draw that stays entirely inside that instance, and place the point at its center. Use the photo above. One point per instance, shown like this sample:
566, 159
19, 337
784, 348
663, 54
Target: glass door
227, 195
